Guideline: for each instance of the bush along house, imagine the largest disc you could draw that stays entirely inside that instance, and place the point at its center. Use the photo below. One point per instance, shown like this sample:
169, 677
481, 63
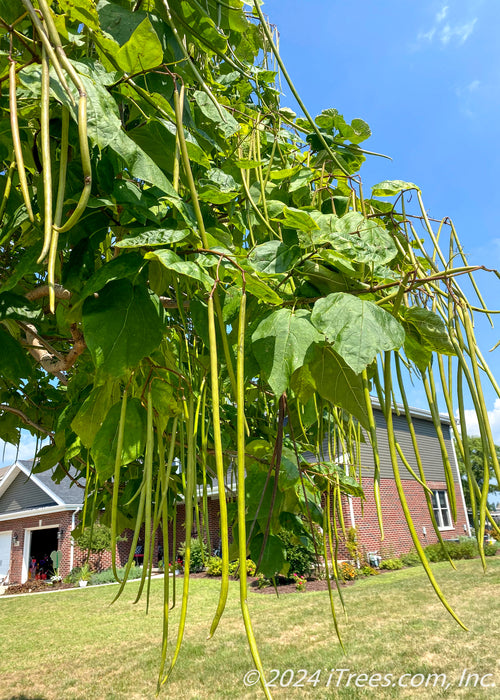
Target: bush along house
361, 515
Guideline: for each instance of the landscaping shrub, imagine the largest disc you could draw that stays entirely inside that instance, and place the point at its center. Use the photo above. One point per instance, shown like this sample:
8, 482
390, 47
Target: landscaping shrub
199, 556
391, 564
302, 558
466, 548
214, 566
106, 576
347, 572
368, 571
234, 568
410, 559
491, 549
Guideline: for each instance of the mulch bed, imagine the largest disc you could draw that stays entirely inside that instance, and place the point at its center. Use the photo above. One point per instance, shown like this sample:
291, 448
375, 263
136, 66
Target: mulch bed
283, 585
36, 587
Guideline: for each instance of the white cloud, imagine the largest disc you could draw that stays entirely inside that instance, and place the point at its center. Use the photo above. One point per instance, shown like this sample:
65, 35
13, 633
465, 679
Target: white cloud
445, 33
442, 14
494, 419
462, 32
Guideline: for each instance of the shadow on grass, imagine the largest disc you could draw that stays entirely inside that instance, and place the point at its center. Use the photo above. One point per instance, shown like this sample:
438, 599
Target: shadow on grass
26, 697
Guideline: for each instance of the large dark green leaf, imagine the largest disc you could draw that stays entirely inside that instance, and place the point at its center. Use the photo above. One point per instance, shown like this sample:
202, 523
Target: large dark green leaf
150, 237
226, 123
18, 308
363, 239
14, 363
93, 411
388, 188
431, 329
357, 329
122, 267
273, 559
177, 265
134, 438
121, 326
334, 380
273, 257
142, 51
81, 11
280, 344
297, 219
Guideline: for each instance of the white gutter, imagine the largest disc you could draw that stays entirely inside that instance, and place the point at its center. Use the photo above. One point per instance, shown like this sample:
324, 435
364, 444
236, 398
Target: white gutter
43, 510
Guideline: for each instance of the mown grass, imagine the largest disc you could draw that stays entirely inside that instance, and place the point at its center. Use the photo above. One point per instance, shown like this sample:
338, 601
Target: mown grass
73, 645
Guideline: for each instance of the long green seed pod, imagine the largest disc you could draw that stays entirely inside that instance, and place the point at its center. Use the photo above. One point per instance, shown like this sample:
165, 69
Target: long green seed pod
47, 45
219, 464
241, 497
166, 553
116, 483
177, 155
420, 465
214, 373
14, 127
190, 487
333, 548
477, 379
466, 452
82, 118
135, 539
7, 189
148, 473
328, 580
61, 188
373, 439
401, 493
430, 391
46, 163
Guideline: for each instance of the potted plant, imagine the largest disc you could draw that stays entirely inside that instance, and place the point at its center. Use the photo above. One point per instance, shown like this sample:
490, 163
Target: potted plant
84, 575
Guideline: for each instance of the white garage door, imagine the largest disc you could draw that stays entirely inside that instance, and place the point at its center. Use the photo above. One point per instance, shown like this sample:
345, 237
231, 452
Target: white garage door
5, 544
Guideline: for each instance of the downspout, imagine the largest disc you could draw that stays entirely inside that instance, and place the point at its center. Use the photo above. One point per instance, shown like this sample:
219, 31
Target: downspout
72, 549
351, 511
461, 487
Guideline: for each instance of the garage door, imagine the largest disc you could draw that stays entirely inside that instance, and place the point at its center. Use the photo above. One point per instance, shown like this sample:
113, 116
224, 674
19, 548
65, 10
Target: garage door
5, 544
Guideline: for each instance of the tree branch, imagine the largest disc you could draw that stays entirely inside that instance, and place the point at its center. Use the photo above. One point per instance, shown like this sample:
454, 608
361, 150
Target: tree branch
25, 419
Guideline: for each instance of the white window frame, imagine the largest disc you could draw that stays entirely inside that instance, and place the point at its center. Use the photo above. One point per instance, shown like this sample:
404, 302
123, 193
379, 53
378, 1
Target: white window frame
439, 518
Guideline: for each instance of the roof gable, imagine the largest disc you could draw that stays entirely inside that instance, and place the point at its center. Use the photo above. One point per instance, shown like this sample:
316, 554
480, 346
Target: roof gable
35, 490
21, 493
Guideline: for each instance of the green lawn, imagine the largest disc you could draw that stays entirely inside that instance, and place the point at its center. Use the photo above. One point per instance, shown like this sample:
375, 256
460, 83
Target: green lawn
73, 645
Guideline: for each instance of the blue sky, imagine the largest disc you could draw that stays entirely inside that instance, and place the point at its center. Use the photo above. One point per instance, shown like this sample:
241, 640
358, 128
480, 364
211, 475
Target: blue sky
426, 78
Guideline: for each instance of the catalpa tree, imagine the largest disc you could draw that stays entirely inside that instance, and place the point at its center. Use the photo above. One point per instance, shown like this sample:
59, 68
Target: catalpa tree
193, 275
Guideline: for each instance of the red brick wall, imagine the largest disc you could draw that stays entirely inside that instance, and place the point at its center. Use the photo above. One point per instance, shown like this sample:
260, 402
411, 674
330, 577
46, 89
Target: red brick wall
213, 526
397, 535
63, 521
19, 526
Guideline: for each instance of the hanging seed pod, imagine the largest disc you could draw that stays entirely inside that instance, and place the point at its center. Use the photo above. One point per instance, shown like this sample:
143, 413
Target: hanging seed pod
14, 126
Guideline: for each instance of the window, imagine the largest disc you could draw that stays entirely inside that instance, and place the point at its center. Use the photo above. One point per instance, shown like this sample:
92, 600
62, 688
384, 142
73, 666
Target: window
441, 510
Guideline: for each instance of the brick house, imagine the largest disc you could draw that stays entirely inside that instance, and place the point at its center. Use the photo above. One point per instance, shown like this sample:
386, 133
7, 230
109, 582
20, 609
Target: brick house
38, 516
363, 516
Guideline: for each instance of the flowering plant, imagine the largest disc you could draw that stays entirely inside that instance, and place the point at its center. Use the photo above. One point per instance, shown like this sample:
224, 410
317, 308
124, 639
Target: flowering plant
300, 582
